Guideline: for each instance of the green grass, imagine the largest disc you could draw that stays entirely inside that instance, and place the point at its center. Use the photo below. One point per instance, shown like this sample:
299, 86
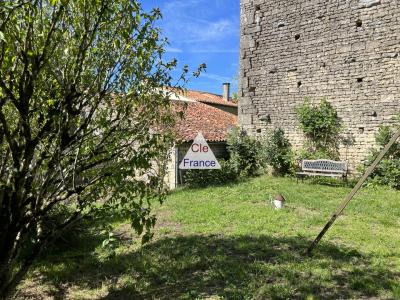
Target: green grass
229, 243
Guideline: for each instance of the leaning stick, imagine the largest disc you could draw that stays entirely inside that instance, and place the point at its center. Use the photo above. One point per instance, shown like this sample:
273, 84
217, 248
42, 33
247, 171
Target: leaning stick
351, 195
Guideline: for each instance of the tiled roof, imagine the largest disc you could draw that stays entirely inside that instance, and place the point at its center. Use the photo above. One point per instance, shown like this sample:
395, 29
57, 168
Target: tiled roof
212, 122
208, 98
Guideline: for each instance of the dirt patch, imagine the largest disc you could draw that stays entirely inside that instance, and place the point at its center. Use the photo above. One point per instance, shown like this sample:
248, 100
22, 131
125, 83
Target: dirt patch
165, 226
124, 232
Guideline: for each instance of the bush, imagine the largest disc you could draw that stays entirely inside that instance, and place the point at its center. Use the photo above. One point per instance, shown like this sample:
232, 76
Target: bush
306, 153
388, 173
276, 152
388, 170
202, 178
321, 126
245, 154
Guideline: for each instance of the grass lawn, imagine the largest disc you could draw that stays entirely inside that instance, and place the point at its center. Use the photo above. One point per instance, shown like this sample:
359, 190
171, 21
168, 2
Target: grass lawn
228, 243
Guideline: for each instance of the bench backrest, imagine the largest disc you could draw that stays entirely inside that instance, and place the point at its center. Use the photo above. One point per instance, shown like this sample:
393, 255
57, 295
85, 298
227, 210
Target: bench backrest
323, 165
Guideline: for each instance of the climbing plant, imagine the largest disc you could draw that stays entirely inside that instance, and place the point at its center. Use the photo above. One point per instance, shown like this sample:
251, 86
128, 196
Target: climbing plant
321, 126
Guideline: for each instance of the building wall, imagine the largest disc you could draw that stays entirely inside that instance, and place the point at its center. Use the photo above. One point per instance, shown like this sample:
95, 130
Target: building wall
229, 109
347, 51
171, 179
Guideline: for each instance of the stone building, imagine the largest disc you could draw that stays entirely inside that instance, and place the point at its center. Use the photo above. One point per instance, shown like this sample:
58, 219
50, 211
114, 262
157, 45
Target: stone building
347, 51
212, 115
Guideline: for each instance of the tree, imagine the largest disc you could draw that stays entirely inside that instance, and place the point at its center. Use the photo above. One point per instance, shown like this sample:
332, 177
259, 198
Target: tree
82, 117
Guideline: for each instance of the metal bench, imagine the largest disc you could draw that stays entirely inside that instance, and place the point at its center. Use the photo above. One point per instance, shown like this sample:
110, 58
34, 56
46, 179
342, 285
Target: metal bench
323, 167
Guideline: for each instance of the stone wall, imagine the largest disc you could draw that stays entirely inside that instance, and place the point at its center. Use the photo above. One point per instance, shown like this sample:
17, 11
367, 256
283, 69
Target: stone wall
347, 51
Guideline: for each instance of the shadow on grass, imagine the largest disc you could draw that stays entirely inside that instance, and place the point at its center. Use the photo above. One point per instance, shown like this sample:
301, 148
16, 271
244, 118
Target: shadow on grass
190, 267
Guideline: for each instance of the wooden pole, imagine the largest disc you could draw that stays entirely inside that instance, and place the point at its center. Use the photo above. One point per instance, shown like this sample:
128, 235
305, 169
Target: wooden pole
351, 195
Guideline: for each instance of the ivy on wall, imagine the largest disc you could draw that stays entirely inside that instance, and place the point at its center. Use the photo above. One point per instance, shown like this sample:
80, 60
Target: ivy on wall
321, 127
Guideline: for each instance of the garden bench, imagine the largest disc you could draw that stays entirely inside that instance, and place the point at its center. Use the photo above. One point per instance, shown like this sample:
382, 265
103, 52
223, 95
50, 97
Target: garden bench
323, 167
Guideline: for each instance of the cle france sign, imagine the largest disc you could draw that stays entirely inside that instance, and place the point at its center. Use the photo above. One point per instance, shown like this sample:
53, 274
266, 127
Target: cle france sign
199, 156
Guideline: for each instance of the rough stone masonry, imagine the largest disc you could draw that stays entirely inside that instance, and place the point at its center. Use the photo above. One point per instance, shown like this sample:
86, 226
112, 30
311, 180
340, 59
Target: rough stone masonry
347, 51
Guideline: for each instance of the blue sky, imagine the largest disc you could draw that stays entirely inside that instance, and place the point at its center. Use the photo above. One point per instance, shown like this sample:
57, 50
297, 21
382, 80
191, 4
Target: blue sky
202, 31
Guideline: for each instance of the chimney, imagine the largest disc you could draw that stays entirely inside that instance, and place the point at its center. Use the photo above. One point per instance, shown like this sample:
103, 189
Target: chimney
226, 91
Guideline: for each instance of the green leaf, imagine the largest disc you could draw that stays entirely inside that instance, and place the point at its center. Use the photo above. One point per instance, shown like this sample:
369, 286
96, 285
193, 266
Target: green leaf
137, 18
53, 2
2, 37
50, 102
117, 44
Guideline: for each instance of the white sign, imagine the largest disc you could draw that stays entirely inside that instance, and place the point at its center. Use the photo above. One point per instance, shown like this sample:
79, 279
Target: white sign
199, 156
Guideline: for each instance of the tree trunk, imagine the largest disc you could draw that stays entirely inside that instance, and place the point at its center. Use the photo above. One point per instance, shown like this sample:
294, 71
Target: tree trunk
6, 263
10, 227
4, 279
10, 276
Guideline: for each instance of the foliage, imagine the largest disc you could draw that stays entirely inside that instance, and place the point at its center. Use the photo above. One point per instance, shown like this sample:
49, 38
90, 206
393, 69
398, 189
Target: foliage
235, 97
276, 152
202, 178
388, 170
309, 153
245, 155
109, 243
81, 119
320, 124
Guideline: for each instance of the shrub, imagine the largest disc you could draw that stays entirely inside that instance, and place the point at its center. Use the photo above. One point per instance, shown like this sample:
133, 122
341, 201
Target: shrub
321, 126
276, 152
307, 153
245, 154
202, 178
388, 170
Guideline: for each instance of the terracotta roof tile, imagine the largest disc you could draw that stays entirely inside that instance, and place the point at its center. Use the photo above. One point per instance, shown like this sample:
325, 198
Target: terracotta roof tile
212, 122
208, 98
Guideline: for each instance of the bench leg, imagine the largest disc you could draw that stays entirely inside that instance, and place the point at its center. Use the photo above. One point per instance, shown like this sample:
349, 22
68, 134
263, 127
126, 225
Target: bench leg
301, 177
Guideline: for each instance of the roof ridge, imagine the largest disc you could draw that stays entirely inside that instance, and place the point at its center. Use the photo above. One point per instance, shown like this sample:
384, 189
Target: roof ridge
203, 92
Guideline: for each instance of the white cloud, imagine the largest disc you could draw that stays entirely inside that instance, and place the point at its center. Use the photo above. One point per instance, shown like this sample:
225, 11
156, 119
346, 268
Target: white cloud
216, 77
196, 22
175, 5
213, 51
203, 31
199, 31
173, 50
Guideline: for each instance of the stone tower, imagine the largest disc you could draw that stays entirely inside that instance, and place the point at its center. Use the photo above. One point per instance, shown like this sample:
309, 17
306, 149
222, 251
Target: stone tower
347, 51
